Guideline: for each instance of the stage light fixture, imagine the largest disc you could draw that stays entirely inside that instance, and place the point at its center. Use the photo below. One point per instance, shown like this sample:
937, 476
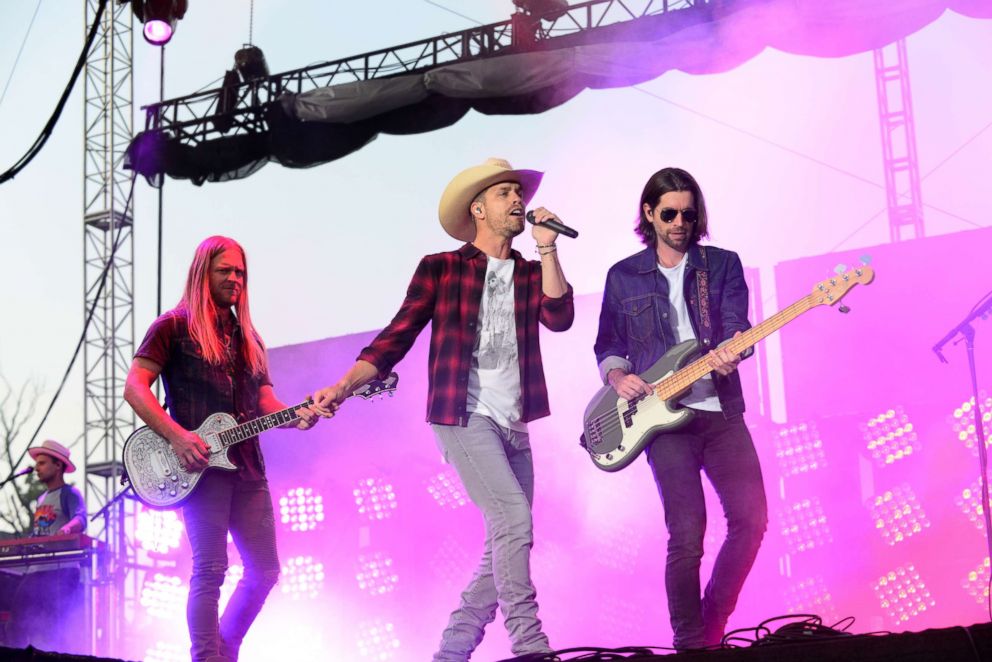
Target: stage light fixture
799, 449
903, 594
811, 596
159, 18
375, 574
446, 489
976, 584
301, 509
804, 526
375, 498
377, 640
302, 577
548, 9
898, 515
250, 63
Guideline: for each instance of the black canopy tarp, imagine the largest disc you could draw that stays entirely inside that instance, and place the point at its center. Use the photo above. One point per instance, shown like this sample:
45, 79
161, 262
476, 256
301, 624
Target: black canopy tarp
327, 123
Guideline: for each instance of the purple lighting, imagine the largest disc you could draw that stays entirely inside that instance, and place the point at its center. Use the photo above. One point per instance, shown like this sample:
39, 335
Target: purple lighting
157, 32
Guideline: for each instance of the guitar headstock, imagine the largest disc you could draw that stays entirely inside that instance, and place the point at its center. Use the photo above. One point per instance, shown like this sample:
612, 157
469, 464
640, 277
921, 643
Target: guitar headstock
830, 291
378, 387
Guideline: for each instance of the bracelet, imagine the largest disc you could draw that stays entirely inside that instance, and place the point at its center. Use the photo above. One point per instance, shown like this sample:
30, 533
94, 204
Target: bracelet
551, 245
547, 252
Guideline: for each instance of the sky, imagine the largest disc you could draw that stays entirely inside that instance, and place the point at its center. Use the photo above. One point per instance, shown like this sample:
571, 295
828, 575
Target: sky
786, 148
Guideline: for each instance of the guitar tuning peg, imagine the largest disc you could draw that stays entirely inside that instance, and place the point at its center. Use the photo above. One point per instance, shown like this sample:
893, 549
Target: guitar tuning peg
844, 309
865, 259
840, 268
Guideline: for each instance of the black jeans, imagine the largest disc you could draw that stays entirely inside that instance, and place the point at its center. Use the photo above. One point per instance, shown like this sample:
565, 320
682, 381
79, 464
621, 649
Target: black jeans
723, 449
223, 502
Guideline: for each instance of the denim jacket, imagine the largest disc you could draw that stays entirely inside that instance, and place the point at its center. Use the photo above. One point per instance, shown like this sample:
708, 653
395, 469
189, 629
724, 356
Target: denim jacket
634, 326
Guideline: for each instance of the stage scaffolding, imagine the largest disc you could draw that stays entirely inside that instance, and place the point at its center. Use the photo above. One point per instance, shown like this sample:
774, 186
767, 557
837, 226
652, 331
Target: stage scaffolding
109, 341
902, 168
211, 114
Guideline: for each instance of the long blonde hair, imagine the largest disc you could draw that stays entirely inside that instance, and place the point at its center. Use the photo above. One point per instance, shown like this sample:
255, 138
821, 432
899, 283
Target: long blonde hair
201, 311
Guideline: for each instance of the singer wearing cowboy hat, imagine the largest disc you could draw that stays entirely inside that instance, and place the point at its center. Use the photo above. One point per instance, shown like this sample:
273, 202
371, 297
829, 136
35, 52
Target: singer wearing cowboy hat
47, 603
486, 381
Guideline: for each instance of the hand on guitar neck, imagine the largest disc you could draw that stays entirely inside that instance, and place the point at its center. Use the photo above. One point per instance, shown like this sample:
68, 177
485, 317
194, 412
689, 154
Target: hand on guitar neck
630, 386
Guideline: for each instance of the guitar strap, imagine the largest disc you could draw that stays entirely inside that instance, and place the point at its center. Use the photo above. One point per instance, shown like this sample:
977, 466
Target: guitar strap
703, 297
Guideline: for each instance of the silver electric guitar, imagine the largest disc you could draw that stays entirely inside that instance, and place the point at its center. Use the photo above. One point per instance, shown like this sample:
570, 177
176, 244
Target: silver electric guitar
158, 477
616, 430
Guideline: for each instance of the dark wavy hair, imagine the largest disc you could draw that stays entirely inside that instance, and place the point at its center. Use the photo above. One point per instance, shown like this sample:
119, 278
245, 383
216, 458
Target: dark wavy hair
665, 181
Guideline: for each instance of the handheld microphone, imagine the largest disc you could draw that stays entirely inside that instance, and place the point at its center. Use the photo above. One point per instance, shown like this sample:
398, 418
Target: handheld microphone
557, 226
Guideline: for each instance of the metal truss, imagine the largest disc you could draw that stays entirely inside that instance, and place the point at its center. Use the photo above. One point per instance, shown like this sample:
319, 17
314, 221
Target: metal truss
902, 168
109, 342
195, 118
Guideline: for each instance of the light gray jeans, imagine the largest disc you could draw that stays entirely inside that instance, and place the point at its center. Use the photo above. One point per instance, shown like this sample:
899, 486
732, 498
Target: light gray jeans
497, 470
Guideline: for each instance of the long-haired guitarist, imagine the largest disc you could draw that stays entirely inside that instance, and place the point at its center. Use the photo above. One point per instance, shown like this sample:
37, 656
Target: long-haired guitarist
484, 302
672, 291
211, 359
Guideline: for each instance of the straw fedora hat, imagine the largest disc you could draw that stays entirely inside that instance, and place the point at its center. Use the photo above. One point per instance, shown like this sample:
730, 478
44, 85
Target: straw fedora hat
53, 449
462, 190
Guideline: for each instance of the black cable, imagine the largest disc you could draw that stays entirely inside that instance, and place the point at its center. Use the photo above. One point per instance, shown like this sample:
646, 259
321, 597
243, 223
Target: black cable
46, 132
86, 324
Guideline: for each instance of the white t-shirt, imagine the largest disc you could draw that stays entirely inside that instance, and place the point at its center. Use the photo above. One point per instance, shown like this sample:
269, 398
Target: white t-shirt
494, 380
703, 395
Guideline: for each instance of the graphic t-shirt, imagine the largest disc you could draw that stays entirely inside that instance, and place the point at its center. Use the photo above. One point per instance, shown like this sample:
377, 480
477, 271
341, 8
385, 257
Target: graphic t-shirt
48, 515
703, 395
494, 380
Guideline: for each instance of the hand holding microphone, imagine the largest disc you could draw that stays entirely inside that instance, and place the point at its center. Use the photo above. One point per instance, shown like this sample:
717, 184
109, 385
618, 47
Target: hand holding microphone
555, 225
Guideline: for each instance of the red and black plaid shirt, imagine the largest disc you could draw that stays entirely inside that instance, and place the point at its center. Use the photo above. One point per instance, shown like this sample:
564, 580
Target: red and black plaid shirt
446, 290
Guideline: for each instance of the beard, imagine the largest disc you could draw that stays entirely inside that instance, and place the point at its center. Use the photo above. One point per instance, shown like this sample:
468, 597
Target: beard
679, 243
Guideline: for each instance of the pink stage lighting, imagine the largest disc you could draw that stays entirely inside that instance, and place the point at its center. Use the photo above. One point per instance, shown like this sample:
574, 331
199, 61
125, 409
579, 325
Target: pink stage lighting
970, 503
446, 489
963, 422
167, 652
302, 577
810, 596
898, 515
301, 509
163, 596
158, 531
976, 584
157, 33
902, 594
375, 498
377, 641
799, 449
890, 436
804, 526
376, 574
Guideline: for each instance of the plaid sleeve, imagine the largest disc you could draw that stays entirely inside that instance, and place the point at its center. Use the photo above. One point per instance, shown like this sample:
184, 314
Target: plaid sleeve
557, 313
393, 342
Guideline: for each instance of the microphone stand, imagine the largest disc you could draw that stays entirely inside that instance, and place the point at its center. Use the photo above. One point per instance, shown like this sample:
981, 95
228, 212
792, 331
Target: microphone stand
117, 497
13, 476
967, 333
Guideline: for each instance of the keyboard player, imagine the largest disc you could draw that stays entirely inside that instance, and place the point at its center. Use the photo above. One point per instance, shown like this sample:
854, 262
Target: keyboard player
47, 605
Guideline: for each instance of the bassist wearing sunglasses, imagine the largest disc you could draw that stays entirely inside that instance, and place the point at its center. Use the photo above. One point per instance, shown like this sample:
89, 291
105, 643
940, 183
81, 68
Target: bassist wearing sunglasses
661, 307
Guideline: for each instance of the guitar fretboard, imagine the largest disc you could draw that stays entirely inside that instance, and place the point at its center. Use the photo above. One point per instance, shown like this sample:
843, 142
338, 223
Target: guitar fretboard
687, 376
256, 426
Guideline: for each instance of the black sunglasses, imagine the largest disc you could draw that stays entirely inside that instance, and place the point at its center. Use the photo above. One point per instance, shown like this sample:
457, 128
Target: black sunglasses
688, 215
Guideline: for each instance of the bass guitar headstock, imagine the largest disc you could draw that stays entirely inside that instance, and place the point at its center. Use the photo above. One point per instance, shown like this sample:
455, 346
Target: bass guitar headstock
830, 291
378, 387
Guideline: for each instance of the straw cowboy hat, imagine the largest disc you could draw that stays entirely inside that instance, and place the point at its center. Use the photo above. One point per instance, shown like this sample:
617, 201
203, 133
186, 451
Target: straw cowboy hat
462, 190
53, 449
